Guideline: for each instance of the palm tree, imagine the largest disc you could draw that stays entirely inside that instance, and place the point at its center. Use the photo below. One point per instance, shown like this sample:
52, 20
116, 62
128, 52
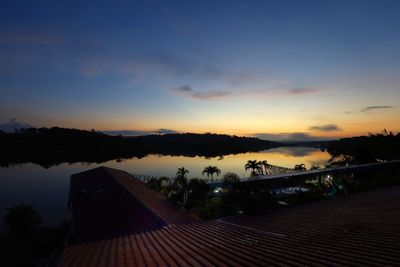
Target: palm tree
210, 170
300, 167
230, 177
229, 180
181, 183
181, 177
315, 167
254, 166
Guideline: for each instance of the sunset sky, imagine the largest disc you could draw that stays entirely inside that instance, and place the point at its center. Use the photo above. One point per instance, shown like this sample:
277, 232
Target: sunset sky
272, 69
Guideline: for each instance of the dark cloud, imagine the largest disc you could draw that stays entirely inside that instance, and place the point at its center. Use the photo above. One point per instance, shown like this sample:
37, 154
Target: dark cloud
371, 108
184, 88
139, 133
189, 92
302, 91
325, 128
368, 109
289, 137
13, 125
210, 95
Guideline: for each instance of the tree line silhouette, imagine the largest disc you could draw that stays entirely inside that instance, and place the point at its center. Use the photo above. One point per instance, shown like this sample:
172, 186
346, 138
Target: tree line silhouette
52, 146
365, 149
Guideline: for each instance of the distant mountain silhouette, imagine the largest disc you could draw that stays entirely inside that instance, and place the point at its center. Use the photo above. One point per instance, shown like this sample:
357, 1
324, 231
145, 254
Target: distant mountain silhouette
209, 145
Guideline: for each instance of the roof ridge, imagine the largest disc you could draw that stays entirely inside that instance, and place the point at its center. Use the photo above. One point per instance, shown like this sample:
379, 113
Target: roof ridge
135, 195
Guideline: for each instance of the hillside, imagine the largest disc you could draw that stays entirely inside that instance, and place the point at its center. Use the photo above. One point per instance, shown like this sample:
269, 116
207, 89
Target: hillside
50, 146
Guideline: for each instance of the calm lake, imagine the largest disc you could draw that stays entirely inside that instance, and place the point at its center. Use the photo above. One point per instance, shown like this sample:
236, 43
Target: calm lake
47, 189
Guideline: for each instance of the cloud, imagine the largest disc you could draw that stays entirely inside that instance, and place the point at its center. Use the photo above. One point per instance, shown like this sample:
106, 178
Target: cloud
12, 125
165, 131
189, 92
27, 38
301, 91
139, 133
289, 137
372, 108
91, 71
210, 95
325, 128
151, 66
368, 109
184, 89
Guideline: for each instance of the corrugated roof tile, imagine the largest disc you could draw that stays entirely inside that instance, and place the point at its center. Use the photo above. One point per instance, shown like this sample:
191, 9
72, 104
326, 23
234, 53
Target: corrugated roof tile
357, 230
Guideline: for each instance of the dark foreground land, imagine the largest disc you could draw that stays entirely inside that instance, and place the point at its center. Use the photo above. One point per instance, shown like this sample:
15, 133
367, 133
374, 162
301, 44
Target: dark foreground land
361, 229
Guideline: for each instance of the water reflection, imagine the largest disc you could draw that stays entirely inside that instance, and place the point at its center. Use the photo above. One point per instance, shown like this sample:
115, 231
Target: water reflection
156, 165
47, 189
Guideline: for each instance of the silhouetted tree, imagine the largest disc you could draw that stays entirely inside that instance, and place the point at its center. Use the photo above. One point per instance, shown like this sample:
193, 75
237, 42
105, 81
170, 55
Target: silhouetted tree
254, 166
315, 167
210, 170
231, 177
51, 146
365, 149
300, 167
197, 192
179, 185
180, 178
22, 219
161, 180
153, 183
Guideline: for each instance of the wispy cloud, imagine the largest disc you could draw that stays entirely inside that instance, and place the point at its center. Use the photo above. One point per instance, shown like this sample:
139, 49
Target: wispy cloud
152, 65
209, 95
368, 109
301, 91
325, 128
91, 71
371, 108
184, 89
27, 38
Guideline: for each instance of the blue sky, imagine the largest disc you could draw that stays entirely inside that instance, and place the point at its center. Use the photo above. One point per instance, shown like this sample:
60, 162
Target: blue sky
239, 67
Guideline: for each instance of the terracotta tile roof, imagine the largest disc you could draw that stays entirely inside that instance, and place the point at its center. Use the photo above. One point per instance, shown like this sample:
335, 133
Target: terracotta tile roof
108, 203
357, 230
152, 199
